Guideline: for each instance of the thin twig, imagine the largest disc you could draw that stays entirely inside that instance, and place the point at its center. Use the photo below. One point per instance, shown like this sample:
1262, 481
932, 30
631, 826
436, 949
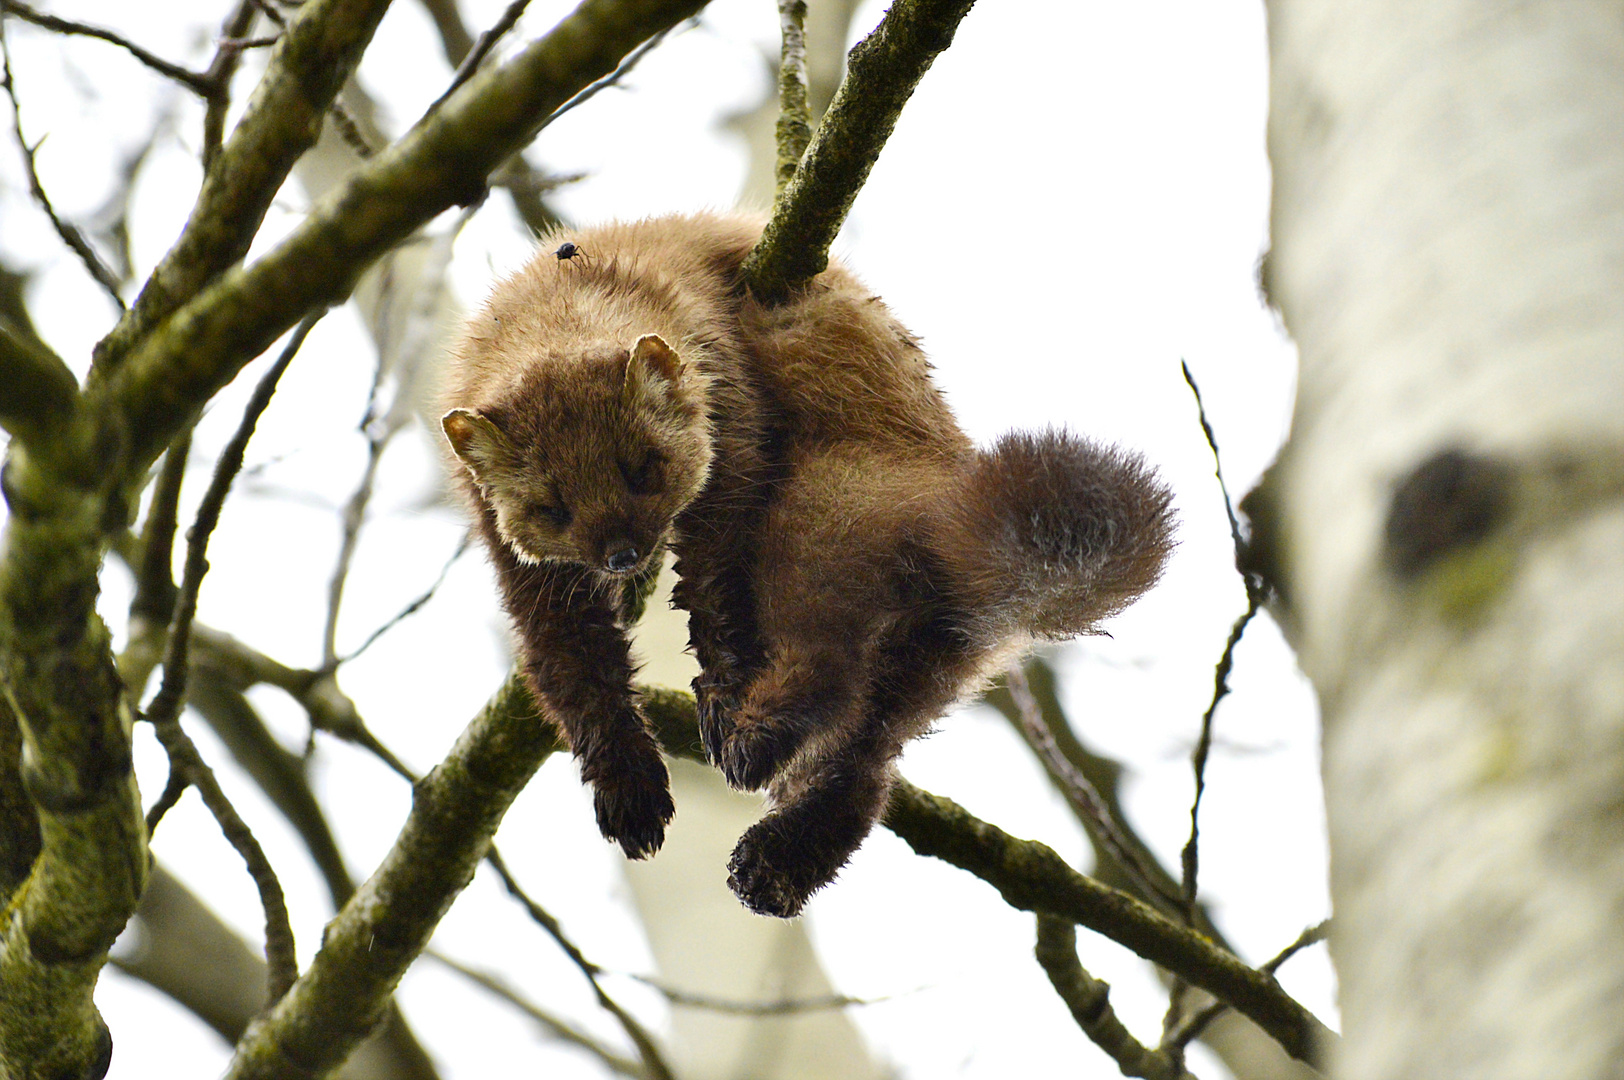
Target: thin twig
1191, 856
174, 787
614, 77
164, 713
1217, 465
349, 130
155, 578
1089, 1000
1082, 795
193, 81
1198, 1023
71, 236
558, 1026
221, 69
482, 48
787, 1007
413, 607
647, 1049
794, 128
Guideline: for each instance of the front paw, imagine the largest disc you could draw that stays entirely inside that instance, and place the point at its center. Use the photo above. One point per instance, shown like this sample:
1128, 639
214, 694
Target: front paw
768, 872
716, 696
633, 810
751, 755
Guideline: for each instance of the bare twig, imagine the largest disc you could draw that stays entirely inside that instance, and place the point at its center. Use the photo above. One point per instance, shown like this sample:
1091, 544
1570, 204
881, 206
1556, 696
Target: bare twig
155, 590
71, 236
562, 1029
349, 130
620, 72
649, 1051
787, 1007
794, 128
400, 359
1085, 800
164, 712
413, 607
1089, 1000
1191, 856
1192, 1029
217, 96
482, 48
192, 80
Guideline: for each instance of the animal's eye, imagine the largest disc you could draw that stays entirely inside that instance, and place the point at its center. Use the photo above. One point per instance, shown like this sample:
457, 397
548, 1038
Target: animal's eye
555, 514
647, 477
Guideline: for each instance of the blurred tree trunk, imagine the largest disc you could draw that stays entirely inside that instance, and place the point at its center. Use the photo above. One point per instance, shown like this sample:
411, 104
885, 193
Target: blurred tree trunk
1446, 525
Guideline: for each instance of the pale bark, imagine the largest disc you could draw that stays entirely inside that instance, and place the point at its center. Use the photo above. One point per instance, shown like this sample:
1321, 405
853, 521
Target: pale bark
1448, 238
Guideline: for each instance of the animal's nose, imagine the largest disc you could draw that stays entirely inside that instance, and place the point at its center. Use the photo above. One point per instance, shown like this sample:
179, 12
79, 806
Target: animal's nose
622, 557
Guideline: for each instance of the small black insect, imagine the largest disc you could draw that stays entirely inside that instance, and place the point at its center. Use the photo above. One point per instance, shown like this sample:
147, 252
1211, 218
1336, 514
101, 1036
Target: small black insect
569, 249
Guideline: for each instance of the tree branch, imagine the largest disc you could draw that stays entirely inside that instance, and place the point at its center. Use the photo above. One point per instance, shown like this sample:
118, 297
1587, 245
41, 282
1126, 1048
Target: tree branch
37, 391
1089, 1000
442, 162
794, 128
1030, 876
882, 71
458, 806
193, 81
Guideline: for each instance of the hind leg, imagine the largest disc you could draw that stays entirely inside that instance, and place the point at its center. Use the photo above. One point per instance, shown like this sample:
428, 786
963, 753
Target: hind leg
799, 847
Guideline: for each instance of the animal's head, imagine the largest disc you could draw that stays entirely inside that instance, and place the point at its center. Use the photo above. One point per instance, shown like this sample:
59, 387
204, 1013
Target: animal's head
591, 456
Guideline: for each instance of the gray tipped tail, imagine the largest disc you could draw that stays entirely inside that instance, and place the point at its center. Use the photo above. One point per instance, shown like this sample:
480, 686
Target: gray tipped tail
1050, 533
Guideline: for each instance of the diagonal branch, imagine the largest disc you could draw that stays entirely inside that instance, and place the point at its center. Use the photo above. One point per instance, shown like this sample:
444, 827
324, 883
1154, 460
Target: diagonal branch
882, 71
1030, 876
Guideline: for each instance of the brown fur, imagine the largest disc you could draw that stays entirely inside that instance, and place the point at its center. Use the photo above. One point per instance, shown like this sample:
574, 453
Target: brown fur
852, 565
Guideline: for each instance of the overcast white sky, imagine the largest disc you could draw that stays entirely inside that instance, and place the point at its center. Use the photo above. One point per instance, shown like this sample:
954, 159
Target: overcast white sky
1074, 201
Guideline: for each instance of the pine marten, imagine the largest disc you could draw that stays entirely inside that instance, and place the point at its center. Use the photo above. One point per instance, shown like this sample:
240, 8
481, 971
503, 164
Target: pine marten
851, 563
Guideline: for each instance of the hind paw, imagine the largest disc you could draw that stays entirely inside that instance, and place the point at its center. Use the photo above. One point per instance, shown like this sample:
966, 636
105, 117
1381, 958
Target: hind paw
772, 872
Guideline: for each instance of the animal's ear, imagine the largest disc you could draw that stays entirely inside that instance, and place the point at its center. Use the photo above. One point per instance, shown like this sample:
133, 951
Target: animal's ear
653, 359
478, 442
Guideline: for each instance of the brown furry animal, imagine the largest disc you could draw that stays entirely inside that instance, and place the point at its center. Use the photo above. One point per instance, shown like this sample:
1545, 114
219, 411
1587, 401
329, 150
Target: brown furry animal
851, 564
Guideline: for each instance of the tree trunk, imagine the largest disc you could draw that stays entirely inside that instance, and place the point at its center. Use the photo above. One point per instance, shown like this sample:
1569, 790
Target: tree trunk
1446, 526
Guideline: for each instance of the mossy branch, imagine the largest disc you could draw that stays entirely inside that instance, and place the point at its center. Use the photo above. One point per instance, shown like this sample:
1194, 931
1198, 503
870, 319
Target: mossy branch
882, 71
794, 128
457, 807
56, 667
1089, 1002
442, 162
370, 943
37, 391
1030, 876
317, 52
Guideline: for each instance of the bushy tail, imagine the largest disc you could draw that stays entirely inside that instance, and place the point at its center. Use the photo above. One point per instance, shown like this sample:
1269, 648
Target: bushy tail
1050, 533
